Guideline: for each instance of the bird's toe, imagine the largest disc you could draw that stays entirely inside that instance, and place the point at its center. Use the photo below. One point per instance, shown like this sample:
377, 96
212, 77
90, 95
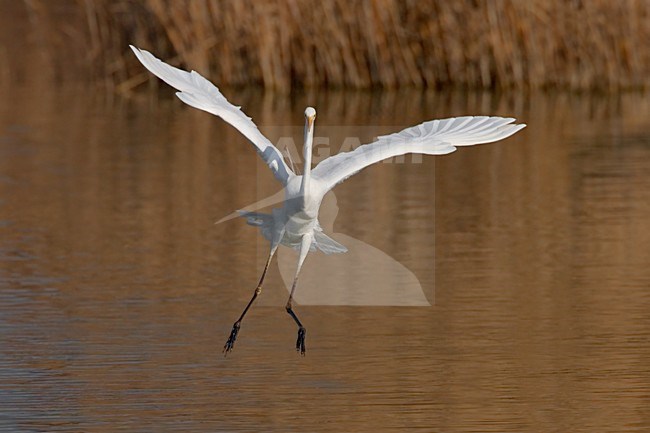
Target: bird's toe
231, 339
300, 342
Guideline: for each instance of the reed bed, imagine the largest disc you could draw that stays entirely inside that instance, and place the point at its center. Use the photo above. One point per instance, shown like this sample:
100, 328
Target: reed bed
284, 44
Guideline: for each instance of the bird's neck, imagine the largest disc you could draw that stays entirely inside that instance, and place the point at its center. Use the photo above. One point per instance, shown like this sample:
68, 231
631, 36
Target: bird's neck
306, 176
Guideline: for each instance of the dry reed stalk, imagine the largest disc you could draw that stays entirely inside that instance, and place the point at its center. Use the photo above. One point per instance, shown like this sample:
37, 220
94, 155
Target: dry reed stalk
285, 44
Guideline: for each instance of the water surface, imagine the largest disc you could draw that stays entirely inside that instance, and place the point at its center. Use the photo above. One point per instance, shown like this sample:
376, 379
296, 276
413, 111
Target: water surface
117, 291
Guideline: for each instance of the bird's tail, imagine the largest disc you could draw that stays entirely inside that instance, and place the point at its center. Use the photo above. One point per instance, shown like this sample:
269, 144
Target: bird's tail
265, 222
326, 244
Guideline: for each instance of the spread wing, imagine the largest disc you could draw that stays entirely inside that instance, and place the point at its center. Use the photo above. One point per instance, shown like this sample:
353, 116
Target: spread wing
195, 90
436, 137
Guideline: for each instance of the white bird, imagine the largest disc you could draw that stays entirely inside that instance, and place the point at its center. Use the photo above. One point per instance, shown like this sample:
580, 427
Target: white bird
295, 224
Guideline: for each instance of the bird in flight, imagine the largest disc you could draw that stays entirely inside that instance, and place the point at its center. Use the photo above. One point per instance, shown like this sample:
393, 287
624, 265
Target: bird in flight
295, 224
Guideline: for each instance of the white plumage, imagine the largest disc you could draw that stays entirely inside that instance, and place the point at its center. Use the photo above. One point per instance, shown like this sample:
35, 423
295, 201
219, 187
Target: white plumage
198, 92
295, 224
436, 137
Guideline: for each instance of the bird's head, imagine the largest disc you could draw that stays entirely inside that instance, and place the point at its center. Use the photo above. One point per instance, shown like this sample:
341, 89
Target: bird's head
310, 116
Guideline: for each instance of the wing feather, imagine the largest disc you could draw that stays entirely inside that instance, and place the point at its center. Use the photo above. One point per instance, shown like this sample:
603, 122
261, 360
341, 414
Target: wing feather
436, 137
198, 92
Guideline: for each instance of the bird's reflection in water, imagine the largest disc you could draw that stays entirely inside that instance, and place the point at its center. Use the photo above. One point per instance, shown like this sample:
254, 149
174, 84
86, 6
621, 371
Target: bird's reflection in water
364, 275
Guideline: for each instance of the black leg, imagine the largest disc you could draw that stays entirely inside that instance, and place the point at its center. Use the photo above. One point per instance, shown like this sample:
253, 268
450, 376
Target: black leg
235, 327
300, 342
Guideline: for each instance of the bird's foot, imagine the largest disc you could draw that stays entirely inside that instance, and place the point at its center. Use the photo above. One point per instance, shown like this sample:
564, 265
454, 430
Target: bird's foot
300, 342
231, 340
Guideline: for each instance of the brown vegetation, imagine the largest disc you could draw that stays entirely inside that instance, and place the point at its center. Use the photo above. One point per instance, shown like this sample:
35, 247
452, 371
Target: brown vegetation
378, 43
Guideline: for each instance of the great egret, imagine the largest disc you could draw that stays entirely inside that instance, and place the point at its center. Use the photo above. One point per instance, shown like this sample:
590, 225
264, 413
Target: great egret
295, 224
